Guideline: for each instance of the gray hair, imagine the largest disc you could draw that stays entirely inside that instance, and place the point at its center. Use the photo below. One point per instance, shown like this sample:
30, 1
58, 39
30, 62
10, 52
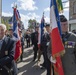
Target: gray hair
3, 26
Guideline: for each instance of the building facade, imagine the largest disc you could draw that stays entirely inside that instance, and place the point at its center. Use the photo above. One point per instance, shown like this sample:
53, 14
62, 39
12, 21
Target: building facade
72, 15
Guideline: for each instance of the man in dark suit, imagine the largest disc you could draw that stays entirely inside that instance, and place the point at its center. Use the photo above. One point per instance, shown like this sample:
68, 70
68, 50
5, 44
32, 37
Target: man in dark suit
28, 38
35, 42
7, 51
44, 44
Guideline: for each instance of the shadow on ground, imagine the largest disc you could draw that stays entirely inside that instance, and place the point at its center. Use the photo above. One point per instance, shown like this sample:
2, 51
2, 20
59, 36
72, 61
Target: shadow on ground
29, 67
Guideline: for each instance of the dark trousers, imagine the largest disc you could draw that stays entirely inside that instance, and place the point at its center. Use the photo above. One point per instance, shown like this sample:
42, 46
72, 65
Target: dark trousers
4, 70
21, 57
45, 57
28, 43
35, 48
46, 63
15, 70
48, 67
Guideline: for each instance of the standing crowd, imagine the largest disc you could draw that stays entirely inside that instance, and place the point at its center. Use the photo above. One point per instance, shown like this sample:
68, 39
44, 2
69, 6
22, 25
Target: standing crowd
7, 49
69, 41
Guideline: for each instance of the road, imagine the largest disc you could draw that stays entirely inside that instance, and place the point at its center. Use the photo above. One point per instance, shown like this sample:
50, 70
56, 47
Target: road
27, 66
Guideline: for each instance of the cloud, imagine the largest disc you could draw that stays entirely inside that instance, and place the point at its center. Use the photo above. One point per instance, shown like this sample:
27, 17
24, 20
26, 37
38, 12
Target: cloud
33, 15
26, 5
47, 9
24, 18
47, 19
7, 14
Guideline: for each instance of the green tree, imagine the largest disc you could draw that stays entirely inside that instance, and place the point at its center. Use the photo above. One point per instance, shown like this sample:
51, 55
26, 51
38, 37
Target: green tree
32, 23
6, 23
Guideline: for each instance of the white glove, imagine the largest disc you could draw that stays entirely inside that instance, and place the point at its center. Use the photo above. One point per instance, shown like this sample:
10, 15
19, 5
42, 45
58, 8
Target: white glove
47, 43
32, 45
52, 60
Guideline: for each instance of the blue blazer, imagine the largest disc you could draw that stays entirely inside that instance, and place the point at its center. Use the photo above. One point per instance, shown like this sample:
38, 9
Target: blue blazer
7, 51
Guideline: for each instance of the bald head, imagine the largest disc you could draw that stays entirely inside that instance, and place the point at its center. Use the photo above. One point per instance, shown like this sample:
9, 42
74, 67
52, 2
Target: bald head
2, 30
3, 26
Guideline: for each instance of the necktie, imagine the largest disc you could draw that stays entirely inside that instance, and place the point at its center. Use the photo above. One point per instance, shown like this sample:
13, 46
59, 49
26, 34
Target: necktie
36, 36
0, 44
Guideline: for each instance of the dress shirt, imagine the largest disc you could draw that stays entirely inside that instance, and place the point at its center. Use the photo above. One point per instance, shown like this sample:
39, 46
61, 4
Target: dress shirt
1, 41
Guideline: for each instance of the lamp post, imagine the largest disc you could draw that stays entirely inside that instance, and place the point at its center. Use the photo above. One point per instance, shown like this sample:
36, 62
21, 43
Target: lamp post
0, 10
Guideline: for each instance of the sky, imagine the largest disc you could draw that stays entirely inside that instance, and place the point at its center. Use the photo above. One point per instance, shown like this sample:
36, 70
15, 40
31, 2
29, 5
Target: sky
31, 9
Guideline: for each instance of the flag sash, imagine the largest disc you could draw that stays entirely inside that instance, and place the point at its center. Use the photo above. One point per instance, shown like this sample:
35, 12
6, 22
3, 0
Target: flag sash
59, 5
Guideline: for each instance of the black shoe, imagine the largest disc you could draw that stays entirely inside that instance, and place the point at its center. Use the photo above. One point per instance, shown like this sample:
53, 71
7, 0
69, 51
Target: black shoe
42, 67
33, 60
41, 64
21, 60
18, 68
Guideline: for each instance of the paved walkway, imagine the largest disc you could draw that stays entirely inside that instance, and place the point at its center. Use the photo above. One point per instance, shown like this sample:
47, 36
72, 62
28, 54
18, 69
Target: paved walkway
27, 67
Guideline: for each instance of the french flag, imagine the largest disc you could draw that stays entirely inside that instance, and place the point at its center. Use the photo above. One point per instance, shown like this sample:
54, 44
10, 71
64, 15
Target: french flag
16, 33
56, 41
41, 30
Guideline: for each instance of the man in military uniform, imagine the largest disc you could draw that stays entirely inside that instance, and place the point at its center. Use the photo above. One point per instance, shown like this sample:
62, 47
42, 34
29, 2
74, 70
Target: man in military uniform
69, 40
7, 51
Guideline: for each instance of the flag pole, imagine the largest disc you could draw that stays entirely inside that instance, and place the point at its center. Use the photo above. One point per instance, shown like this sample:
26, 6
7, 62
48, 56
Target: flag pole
39, 51
35, 24
0, 10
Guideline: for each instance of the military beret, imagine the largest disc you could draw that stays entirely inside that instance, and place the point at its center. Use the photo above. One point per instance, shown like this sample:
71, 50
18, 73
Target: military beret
47, 25
63, 18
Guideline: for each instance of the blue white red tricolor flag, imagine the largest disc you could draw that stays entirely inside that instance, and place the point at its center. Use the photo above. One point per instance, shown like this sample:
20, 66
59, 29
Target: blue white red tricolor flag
16, 33
41, 30
56, 41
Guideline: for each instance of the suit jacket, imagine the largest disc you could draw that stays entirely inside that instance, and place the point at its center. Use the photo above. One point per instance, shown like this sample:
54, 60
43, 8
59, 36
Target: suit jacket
7, 52
35, 38
27, 36
49, 51
45, 39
